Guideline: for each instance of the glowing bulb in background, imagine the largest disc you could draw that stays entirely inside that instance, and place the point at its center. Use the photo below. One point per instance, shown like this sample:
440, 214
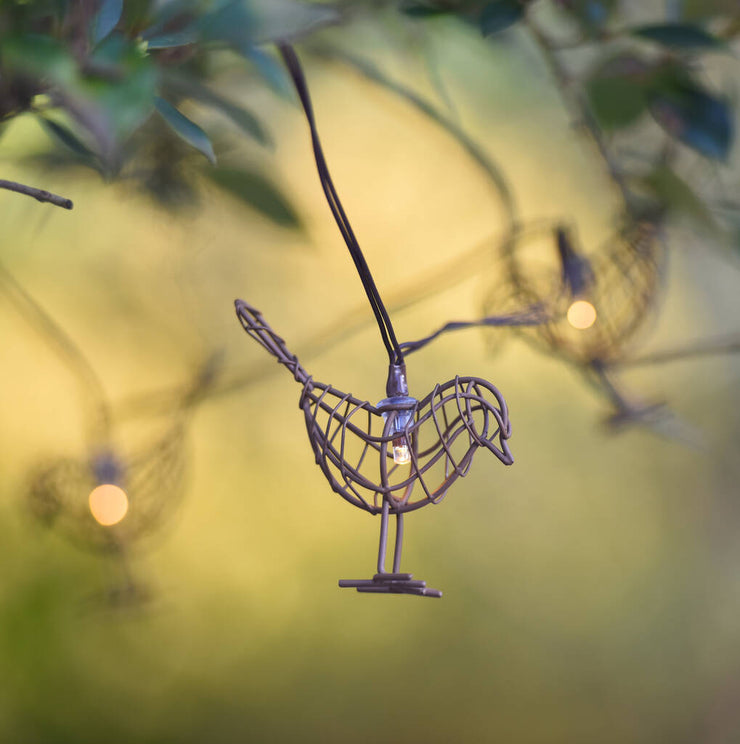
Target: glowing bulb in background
581, 314
108, 504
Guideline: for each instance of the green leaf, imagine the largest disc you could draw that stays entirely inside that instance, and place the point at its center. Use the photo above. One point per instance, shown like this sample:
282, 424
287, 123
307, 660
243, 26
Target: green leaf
269, 69
39, 56
167, 16
424, 11
499, 15
232, 22
64, 135
681, 36
185, 128
256, 191
106, 19
593, 15
242, 117
278, 20
693, 115
173, 39
124, 95
617, 90
675, 194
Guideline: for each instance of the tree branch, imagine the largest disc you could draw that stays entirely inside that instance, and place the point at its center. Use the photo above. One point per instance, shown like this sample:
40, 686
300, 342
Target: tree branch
699, 348
38, 194
578, 109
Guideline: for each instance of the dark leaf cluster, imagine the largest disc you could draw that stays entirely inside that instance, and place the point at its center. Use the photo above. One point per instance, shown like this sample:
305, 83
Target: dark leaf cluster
113, 82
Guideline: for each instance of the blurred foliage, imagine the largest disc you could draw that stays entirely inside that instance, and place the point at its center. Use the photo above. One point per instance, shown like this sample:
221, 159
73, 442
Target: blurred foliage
636, 71
98, 73
592, 595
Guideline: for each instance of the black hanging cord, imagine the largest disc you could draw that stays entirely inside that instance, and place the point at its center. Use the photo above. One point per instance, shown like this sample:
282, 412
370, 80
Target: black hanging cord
532, 316
387, 333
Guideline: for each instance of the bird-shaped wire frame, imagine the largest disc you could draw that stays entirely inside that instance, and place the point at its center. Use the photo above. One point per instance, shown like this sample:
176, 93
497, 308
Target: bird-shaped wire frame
595, 303
109, 500
620, 281
398, 455
150, 478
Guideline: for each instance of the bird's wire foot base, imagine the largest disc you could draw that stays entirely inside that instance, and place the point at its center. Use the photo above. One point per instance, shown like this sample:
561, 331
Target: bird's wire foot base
391, 583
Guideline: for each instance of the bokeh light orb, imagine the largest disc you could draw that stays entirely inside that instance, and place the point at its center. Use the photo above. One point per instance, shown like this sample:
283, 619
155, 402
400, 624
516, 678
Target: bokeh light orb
108, 504
581, 315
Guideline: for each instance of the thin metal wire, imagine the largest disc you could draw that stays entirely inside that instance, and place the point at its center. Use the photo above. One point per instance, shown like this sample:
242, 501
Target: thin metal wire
532, 316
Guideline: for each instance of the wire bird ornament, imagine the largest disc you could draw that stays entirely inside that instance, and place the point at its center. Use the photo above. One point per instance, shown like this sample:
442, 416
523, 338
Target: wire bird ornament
106, 499
591, 307
398, 455
595, 303
110, 500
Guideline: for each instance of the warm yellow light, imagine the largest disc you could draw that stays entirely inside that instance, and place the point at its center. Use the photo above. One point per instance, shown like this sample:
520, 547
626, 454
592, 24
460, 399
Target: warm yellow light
401, 454
581, 314
108, 504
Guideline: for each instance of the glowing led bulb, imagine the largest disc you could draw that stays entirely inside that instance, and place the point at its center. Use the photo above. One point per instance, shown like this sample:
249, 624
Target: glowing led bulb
581, 314
401, 454
400, 407
108, 504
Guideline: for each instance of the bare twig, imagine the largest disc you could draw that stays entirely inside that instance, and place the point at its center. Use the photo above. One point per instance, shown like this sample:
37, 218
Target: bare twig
38, 194
578, 109
699, 348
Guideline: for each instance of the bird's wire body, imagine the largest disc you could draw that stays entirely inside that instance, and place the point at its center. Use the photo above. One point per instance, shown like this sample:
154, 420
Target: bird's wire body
353, 442
461, 415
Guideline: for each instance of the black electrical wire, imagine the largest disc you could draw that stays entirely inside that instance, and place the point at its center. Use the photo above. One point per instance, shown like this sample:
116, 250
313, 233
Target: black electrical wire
387, 333
532, 316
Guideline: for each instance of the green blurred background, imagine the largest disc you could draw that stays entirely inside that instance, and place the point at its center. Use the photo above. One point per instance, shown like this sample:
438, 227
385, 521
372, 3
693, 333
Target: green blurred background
591, 590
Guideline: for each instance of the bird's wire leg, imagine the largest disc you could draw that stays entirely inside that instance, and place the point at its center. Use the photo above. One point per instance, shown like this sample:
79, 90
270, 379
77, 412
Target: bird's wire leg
383, 544
399, 544
395, 582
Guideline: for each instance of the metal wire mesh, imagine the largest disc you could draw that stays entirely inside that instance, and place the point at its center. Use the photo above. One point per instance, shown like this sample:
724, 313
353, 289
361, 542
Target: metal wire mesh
353, 439
153, 480
623, 286
152, 477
